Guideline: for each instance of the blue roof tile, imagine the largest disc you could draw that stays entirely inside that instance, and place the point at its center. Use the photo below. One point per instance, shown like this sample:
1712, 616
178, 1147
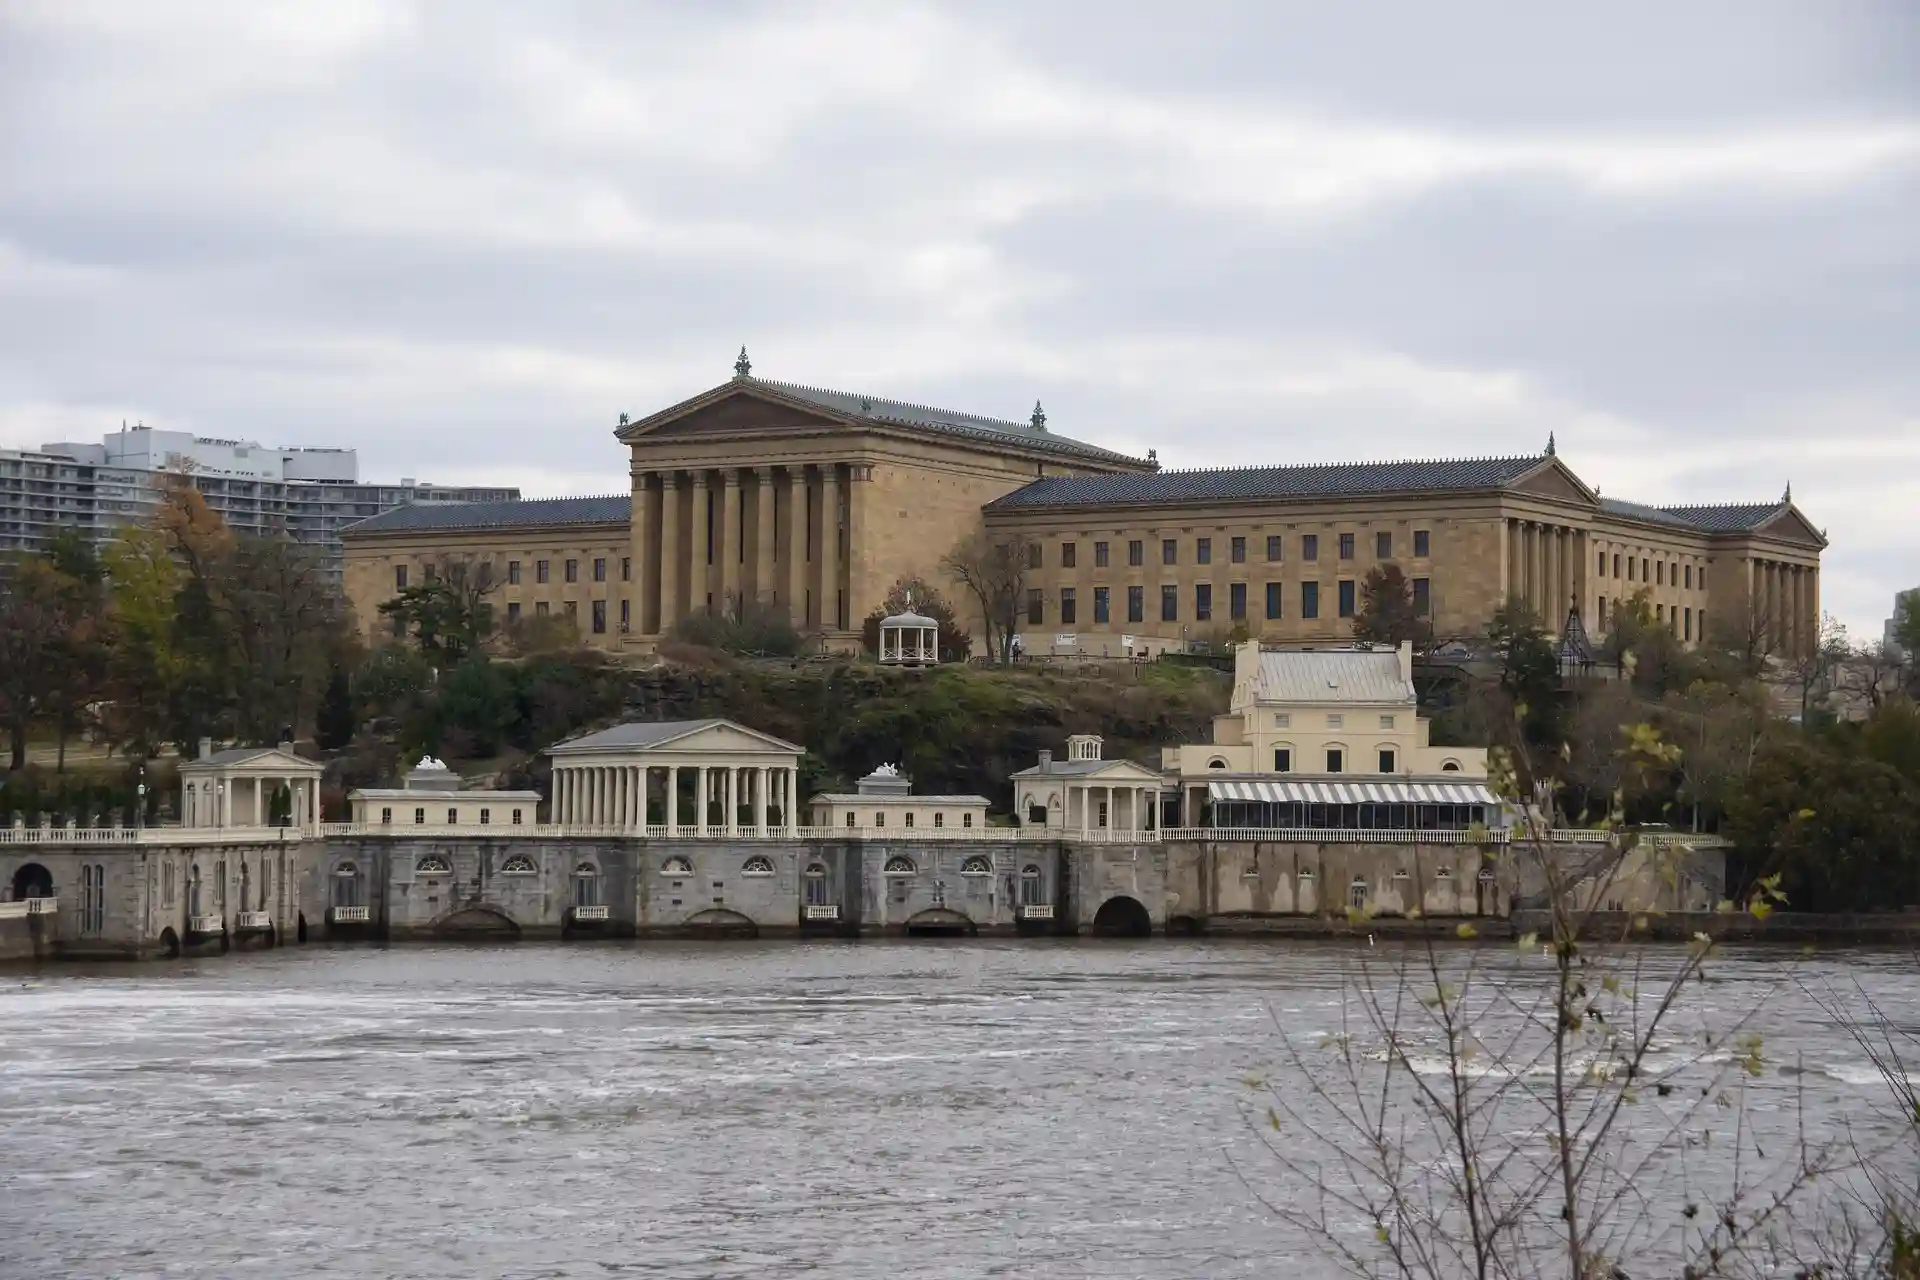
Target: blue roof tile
525, 513
1251, 484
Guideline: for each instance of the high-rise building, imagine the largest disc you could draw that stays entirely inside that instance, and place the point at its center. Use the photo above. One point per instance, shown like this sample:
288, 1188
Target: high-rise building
1902, 602
97, 489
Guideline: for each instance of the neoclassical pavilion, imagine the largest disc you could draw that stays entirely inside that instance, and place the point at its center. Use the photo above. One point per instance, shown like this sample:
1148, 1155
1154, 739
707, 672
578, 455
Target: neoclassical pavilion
909, 639
1087, 795
236, 787
632, 776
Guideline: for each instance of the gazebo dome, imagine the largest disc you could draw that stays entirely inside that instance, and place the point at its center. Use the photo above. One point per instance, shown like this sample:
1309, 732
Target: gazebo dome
909, 619
909, 639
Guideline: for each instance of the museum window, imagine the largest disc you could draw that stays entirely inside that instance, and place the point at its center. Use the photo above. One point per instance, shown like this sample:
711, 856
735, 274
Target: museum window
1274, 592
850, 818
1336, 760
1169, 551
1282, 760
1310, 600
599, 617
626, 615
1309, 546
1383, 546
1386, 760
571, 607
939, 819
1136, 604
1422, 544
1203, 602
1616, 564
1346, 546
486, 817
1689, 575
1703, 578
1600, 565
1069, 555
1422, 597
1203, 550
572, 570
513, 611
399, 577
1136, 553
1069, 607
909, 818
1036, 606
1276, 546
1100, 606
880, 818
1386, 722
540, 609
1600, 613
1237, 550
1660, 573
966, 819
513, 573
1169, 604
1099, 555
599, 568
1630, 564
1689, 626
1644, 569
1237, 601
1346, 597
1035, 554
542, 571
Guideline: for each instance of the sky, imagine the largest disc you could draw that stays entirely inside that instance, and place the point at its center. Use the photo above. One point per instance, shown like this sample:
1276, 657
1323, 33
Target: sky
463, 238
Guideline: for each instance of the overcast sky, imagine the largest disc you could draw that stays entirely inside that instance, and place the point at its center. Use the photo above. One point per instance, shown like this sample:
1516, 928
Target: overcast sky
463, 238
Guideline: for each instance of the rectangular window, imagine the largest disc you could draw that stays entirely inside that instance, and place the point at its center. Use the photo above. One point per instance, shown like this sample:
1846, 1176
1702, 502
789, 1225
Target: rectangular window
1346, 597
1274, 592
909, 818
1689, 573
1203, 550
513, 611
1169, 551
1687, 631
1703, 577
1282, 760
1600, 614
1309, 546
453, 817
850, 818
1660, 573
1036, 606
1069, 607
1276, 547
1659, 613
486, 817
1630, 577
1336, 721
626, 568
1336, 760
1100, 613
516, 817
1237, 601
1386, 760
1386, 722
1136, 604
1422, 544
1600, 566
1283, 720
1422, 597
1309, 599
1099, 555
966, 819
626, 614
573, 570
599, 617
399, 577
1069, 555
513, 573
1034, 555
599, 568
1346, 546
1237, 550
1169, 604
1616, 564
1203, 602
572, 608
540, 609
939, 819
1383, 546
541, 571
1136, 553
419, 817
386, 817
880, 819
1645, 570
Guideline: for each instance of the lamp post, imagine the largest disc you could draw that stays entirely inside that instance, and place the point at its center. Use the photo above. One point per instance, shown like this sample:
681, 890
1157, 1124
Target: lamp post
140, 802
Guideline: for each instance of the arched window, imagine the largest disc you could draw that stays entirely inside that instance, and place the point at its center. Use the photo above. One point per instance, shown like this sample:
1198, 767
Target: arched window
432, 865
676, 866
586, 885
1443, 873
1033, 887
1449, 766
1216, 763
757, 865
818, 890
977, 866
519, 865
900, 866
1486, 875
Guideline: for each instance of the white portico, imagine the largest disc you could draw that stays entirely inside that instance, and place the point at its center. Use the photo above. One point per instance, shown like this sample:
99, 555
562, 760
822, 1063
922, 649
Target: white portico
1087, 796
688, 777
245, 786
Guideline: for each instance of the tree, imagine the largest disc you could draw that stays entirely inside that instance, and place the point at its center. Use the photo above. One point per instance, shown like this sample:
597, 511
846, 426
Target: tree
447, 616
36, 617
993, 568
1529, 674
1812, 669
1746, 634
143, 663
954, 641
335, 723
1718, 729
1387, 614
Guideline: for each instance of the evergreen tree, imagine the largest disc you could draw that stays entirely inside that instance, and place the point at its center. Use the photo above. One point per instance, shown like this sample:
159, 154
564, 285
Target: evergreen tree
335, 723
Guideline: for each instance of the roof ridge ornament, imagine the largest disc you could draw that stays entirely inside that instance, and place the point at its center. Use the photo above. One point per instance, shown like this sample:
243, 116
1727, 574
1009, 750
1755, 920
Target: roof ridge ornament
742, 367
1039, 419
1787, 497
1551, 450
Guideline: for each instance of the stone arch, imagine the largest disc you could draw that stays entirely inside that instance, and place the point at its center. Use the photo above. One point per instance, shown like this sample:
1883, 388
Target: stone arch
1450, 766
940, 922
977, 865
477, 922
1122, 917
900, 865
32, 880
519, 865
677, 866
718, 922
170, 943
758, 865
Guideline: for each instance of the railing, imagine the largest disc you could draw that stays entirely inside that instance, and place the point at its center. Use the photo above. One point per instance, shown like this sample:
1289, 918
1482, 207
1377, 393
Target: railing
147, 835
821, 911
551, 830
1336, 835
28, 907
252, 920
206, 924
590, 913
1037, 911
42, 906
1584, 835
352, 915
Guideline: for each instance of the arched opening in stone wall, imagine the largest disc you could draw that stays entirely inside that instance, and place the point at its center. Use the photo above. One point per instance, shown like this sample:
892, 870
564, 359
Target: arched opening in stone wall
940, 922
170, 943
483, 923
717, 922
1122, 917
32, 881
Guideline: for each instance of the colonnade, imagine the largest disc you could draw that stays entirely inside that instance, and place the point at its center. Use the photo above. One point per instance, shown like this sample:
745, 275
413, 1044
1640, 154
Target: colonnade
1546, 568
705, 539
1129, 809
1785, 605
616, 795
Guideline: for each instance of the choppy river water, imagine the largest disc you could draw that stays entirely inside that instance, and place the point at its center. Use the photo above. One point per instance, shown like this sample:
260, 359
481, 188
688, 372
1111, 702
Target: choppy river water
871, 1109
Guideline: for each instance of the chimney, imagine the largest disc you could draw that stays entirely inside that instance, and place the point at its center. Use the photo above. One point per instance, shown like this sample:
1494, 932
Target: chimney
206, 748
1046, 759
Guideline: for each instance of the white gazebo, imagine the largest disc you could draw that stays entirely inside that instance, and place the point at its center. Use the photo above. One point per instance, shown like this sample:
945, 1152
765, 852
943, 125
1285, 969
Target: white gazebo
1086, 795
909, 639
236, 787
739, 778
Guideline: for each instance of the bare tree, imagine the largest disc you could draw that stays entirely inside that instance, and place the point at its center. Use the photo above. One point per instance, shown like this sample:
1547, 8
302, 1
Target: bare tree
1810, 671
1747, 633
993, 569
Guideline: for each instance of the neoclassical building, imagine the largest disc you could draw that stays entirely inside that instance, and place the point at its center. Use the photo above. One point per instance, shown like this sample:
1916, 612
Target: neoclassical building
814, 503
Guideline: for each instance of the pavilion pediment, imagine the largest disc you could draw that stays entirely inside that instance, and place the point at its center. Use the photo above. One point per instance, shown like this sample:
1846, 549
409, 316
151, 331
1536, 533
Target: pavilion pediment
1554, 479
1790, 526
746, 410
726, 739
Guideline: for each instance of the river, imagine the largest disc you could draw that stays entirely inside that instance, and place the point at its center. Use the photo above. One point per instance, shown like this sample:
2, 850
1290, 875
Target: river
753, 1109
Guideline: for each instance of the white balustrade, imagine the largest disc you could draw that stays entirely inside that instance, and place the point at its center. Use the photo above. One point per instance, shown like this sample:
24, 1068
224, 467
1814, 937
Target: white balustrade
590, 913
206, 924
252, 920
352, 915
820, 911
42, 906
1037, 911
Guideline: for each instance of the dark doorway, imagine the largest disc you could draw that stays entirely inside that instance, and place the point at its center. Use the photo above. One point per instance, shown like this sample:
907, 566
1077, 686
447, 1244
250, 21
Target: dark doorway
32, 881
1122, 918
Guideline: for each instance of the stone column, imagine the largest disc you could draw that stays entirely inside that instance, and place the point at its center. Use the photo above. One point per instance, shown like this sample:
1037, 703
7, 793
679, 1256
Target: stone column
760, 777
764, 589
672, 810
700, 790
790, 799
859, 498
670, 554
729, 551
795, 525
590, 811
828, 599
700, 545
635, 589
1510, 570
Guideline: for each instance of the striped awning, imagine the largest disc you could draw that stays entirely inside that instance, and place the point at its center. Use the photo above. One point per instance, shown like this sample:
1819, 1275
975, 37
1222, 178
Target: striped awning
1276, 792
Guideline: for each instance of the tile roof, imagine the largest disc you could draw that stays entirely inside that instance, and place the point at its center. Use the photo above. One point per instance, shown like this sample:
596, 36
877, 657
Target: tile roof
243, 755
520, 513
655, 733
1730, 517
1245, 484
925, 417
1329, 676
1641, 511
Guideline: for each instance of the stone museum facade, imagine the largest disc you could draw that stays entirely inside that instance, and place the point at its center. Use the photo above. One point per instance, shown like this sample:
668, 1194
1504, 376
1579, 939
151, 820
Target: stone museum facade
814, 503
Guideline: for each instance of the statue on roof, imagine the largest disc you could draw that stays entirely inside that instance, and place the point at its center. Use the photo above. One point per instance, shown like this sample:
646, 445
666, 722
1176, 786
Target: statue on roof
742, 367
1550, 446
887, 771
1039, 417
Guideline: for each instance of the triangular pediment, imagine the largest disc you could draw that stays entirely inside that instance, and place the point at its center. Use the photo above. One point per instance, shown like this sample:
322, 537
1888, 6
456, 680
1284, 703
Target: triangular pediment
255, 760
1554, 479
727, 737
738, 408
1789, 525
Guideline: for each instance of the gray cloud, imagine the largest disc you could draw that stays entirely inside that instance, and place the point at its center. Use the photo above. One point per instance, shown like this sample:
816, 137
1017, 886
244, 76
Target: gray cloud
463, 240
